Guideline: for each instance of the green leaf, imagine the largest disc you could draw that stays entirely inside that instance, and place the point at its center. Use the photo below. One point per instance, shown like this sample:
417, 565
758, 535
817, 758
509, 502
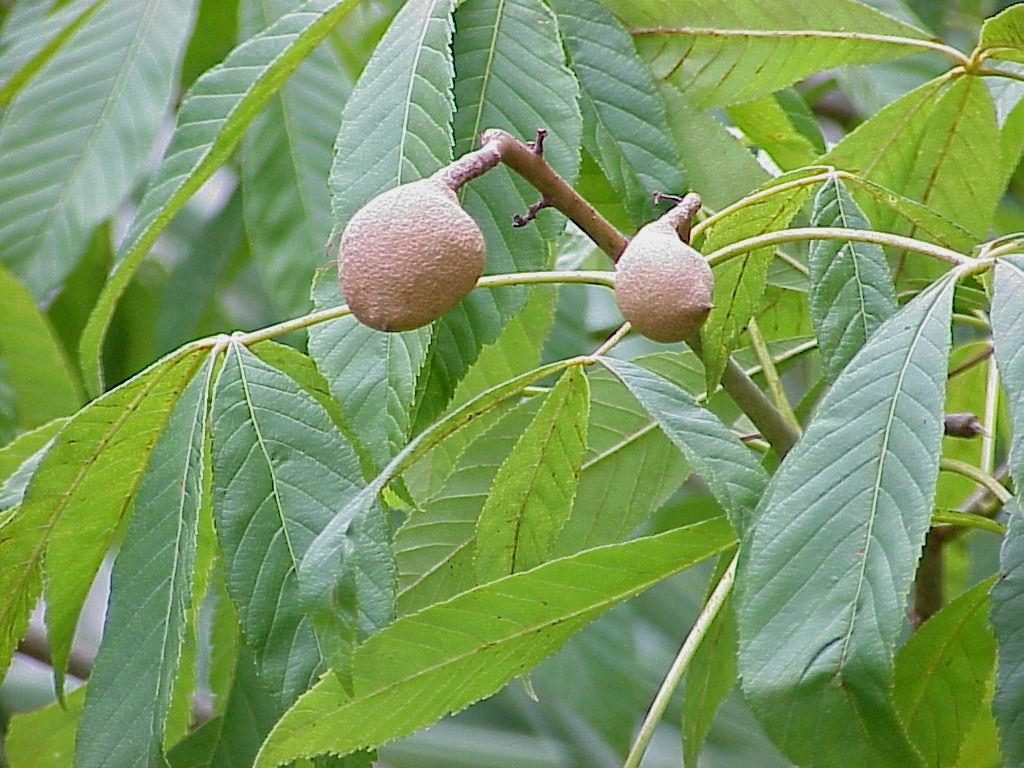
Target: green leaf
399, 117
445, 657
397, 124
211, 120
851, 291
1007, 315
911, 215
76, 500
61, 176
45, 738
14, 454
371, 373
930, 146
711, 676
233, 738
34, 44
943, 675
625, 126
769, 123
730, 469
740, 282
1008, 593
1008, 623
630, 468
285, 156
532, 493
1002, 36
316, 574
717, 166
498, 86
281, 470
151, 588
825, 571
33, 355
435, 547
730, 52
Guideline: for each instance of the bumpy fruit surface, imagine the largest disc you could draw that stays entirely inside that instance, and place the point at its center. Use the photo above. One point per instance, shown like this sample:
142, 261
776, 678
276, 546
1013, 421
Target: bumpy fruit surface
408, 256
663, 286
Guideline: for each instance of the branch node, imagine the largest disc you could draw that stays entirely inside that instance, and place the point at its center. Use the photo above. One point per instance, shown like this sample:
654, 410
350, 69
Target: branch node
965, 425
531, 213
537, 145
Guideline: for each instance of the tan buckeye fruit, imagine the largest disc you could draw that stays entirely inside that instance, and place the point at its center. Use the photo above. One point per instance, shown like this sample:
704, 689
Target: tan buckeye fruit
662, 285
408, 256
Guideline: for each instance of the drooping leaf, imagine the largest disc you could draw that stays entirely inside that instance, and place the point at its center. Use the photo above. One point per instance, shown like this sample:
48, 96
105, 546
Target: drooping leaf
773, 122
281, 471
930, 146
397, 124
851, 291
372, 374
629, 471
1008, 592
435, 547
60, 177
76, 499
31, 355
1008, 623
740, 282
943, 674
443, 658
625, 125
316, 574
14, 454
717, 166
36, 41
1002, 36
130, 686
825, 571
498, 86
45, 738
211, 120
532, 493
729, 52
285, 156
731, 470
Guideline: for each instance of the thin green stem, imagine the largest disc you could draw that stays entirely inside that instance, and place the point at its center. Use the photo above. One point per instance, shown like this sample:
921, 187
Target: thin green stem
595, 277
993, 72
771, 374
621, 333
679, 666
800, 234
979, 476
966, 520
988, 420
970, 320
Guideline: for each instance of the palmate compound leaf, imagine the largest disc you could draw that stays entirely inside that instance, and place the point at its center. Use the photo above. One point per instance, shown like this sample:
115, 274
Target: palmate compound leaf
826, 567
736, 50
281, 471
76, 499
129, 691
212, 118
449, 655
76, 138
851, 291
1008, 594
532, 493
943, 675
